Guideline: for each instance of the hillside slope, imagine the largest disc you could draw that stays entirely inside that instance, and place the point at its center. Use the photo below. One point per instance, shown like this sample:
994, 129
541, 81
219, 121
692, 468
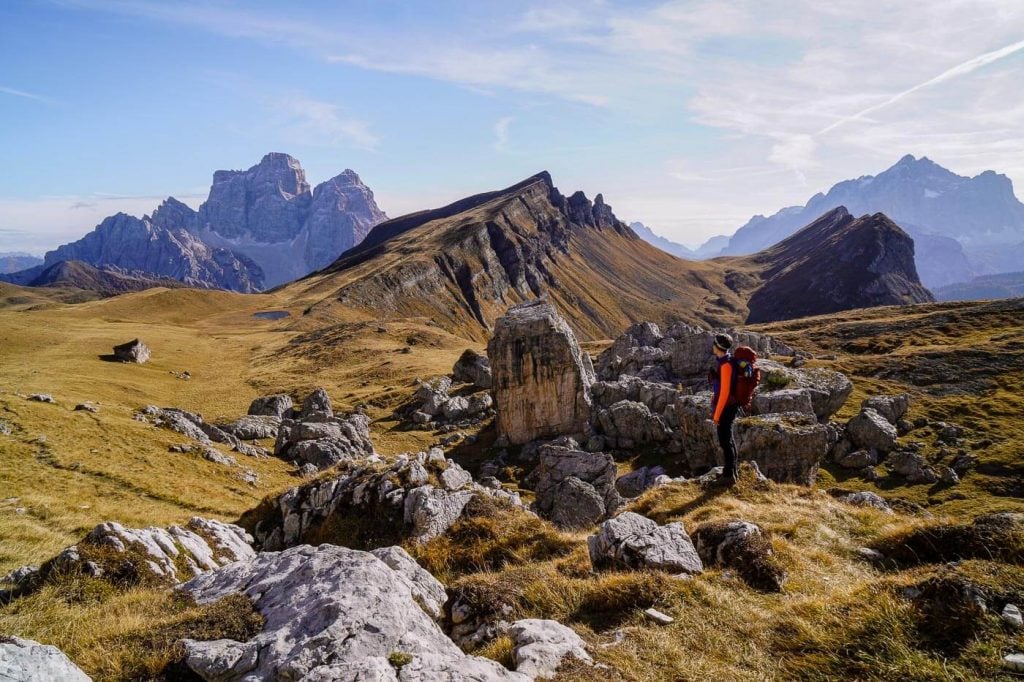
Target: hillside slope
838, 262
464, 264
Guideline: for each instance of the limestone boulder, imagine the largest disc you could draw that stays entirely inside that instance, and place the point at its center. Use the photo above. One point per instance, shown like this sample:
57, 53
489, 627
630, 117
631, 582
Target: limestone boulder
636, 482
252, 427
628, 424
541, 377
277, 405
783, 400
633, 541
871, 431
787, 447
892, 407
574, 488
152, 555
472, 368
133, 351
332, 613
22, 660
540, 646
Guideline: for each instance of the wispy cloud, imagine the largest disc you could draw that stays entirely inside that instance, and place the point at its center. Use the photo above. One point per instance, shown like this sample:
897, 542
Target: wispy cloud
14, 92
311, 121
961, 69
501, 133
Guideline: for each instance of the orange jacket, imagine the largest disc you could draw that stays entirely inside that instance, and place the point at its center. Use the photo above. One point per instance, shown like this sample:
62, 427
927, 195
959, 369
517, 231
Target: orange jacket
724, 387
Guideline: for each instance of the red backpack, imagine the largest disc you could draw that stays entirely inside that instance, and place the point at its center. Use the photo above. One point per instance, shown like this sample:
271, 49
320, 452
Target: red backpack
746, 375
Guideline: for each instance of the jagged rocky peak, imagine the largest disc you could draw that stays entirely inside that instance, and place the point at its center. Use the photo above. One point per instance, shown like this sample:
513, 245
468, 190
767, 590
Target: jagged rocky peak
342, 213
173, 214
266, 203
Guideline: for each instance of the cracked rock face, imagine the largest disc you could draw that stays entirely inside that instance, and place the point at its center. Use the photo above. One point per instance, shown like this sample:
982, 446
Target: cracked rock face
332, 613
541, 377
277, 405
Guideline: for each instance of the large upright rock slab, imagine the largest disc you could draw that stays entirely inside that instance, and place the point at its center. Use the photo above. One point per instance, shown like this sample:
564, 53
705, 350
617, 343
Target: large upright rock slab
540, 377
788, 447
332, 613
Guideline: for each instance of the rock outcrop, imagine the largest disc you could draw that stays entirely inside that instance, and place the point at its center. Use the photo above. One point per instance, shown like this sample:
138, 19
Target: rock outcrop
22, 660
277, 405
541, 377
315, 435
192, 425
331, 613
787, 447
416, 497
574, 489
636, 542
152, 556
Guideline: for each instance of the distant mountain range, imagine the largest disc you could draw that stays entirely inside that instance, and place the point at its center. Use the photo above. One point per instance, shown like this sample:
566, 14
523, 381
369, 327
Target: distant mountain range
257, 229
962, 227
705, 250
462, 265
1005, 285
12, 261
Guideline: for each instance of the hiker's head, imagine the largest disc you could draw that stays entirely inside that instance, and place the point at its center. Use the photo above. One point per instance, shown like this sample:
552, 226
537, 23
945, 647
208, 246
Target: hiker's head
722, 344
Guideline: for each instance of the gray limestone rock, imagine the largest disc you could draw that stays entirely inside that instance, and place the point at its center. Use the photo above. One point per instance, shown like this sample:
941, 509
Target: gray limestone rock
636, 482
540, 646
628, 424
132, 351
783, 400
277, 405
589, 496
252, 427
634, 541
913, 466
316, 403
472, 368
431, 511
871, 431
22, 660
332, 613
866, 498
787, 447
892, 407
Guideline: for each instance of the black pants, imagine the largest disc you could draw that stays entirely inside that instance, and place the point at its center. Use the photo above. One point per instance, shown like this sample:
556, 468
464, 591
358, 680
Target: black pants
726, 441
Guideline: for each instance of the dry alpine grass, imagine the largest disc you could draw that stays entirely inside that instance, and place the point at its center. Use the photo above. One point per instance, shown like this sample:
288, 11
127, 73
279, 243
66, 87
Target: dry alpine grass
62, 472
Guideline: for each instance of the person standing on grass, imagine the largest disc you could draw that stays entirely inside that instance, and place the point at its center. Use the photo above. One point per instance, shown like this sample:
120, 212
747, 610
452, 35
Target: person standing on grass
723, 403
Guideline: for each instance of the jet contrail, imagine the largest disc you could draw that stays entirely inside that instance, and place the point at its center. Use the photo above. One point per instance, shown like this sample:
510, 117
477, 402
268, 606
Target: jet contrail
958, 70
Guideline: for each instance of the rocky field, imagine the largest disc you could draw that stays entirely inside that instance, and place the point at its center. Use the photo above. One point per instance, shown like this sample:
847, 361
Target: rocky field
342, 496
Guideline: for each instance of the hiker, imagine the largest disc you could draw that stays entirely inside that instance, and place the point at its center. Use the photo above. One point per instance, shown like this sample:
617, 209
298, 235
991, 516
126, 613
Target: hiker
723, 404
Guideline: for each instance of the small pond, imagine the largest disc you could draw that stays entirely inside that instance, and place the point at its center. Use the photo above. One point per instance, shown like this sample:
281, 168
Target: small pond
272, 314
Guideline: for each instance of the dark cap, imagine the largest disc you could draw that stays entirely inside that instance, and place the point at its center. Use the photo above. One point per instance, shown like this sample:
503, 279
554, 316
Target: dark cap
723, 341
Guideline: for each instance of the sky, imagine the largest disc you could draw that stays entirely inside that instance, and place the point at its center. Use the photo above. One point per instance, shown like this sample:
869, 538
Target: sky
689, 116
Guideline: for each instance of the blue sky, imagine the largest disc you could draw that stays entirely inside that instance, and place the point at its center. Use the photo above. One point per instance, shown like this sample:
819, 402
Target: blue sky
689, 116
